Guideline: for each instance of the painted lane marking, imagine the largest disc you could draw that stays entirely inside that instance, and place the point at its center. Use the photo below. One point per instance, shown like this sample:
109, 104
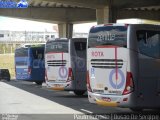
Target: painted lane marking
86, 111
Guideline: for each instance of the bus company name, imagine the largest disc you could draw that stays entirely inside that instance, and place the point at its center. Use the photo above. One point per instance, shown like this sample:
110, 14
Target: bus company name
50, 56
97, 54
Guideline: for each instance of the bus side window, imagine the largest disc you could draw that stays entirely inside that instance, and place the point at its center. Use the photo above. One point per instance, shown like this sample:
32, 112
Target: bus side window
149, 43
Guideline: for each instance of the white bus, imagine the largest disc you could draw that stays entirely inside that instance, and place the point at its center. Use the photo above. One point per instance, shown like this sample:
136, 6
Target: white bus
65, 64
124, 65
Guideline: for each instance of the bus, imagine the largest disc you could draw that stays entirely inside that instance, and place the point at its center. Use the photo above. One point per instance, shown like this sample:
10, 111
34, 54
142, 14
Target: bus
65, 64
123, 65
29, 64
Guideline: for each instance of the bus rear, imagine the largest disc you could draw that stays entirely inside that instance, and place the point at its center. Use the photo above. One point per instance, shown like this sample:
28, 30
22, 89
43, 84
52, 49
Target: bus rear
109, 80
22, 68
29, 64
57, 65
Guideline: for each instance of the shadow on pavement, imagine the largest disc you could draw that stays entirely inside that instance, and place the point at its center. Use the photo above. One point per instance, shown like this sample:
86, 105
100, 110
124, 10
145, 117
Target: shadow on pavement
79, 103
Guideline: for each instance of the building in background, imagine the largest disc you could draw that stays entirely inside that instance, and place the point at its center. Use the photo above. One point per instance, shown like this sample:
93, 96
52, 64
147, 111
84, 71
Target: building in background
25, 36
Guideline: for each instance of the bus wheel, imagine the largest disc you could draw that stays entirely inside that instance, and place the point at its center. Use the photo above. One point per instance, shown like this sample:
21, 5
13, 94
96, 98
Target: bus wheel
79, 92
39, 83
136, 109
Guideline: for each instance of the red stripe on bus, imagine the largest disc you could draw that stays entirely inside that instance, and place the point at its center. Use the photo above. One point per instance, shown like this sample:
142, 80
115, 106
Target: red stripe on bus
53, 52
116, 63
62, 63
106, 46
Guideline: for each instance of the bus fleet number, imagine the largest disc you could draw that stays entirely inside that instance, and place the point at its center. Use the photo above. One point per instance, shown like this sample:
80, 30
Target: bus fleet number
106, 37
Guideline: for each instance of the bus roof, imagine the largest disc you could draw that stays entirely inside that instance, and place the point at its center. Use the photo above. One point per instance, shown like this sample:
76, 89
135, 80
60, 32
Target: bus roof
58, 39
78, 39
123, 24
32, 47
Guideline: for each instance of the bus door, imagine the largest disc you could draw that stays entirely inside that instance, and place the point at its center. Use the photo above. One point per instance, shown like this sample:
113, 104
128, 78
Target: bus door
37, 67
80, 64
149, 66
108, 56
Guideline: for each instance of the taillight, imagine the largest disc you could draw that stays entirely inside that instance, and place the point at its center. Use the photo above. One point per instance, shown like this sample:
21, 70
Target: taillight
129, 84
29, 70
70, 74
46, 77
88, 83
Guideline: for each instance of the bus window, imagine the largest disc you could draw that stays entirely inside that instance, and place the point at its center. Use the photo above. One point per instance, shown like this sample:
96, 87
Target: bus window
22, 52
80, 47
149, 42
38, 54
57, 47
108, 35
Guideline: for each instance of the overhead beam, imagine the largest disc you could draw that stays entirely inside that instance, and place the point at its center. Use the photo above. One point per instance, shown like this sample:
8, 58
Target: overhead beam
135, 3
56, 15
83, 3
141, 14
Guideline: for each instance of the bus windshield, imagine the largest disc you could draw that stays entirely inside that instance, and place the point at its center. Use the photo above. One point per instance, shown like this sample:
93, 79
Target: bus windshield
108, 35
22, 52
56, 46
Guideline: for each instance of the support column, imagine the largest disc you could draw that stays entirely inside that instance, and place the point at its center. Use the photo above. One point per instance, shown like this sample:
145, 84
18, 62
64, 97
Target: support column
65, 30
106, 15
102, 15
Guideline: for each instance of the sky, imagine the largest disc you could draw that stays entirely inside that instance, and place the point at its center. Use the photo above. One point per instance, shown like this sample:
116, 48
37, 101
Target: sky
14, 24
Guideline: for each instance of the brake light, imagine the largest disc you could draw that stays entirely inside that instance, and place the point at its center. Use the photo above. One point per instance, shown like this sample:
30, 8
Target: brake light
46, 77
70, 74
29, 70
88, 83
129, 84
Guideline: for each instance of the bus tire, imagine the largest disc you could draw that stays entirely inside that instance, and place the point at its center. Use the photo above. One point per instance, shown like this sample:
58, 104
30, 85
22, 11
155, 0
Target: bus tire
39, 83
79, 93
136, 109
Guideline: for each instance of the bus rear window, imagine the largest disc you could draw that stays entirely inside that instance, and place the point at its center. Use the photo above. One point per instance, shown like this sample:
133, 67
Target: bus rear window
22, 52
80, 49
56, 47
80, 46
108, 35
38, 53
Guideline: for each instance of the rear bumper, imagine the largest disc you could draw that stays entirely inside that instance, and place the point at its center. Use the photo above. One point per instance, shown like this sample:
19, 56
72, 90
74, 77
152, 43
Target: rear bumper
110, 100
55, 86
104, 103
29, 78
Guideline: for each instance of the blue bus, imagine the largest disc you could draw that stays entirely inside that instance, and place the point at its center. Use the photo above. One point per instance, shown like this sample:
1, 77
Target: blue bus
29, 64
